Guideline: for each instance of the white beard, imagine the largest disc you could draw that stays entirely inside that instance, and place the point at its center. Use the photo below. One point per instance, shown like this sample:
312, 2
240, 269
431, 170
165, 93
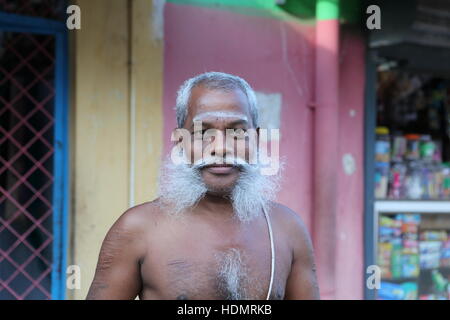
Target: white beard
181, 187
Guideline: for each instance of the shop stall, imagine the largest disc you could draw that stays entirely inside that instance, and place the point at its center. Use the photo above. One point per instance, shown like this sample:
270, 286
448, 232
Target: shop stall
412, 184
407, 151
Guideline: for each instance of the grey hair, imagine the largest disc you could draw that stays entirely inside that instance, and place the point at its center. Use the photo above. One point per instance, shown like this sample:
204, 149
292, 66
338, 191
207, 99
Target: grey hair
214, 80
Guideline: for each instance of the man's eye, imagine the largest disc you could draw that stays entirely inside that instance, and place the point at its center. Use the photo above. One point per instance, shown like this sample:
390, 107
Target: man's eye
200, 132
240, 134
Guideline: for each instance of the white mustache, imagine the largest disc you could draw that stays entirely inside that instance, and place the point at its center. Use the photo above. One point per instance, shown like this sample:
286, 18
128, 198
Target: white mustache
201, 163
182, 186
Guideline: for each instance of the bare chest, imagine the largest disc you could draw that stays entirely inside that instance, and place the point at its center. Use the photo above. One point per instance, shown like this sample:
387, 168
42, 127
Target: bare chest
200, 265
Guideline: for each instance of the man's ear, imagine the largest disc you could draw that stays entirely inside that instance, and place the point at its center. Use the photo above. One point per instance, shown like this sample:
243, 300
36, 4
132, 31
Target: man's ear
180, 138
177, 143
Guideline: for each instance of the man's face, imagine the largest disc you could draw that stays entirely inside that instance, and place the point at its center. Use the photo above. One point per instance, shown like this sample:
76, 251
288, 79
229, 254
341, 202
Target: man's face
218, 110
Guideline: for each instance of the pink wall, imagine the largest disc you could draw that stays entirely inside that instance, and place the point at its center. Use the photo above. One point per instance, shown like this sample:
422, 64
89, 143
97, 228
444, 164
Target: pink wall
350, 242
278, 56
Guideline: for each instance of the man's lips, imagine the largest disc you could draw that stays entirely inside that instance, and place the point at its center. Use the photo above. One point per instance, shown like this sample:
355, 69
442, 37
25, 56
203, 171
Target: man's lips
219, 168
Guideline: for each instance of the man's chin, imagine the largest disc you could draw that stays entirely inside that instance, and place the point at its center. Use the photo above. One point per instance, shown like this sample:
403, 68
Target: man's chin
220, 188
220, 191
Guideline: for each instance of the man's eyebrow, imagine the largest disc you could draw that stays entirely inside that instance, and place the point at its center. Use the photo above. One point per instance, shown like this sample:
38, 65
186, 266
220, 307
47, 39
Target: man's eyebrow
237, 122
206, 124
220, 114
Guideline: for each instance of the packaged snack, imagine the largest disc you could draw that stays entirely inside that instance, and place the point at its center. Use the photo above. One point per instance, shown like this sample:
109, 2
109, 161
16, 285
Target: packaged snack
437, 157
410, 228
412, 146
398, 148
410, 236
427, 148
410, 290
448, 291
445, 192
381, 179
387, 234
397, 181
410, 247
427, 181
413, 181
437, 178
387, 222
427, 297
390, 291
430, 254
433, 235
439, 282
396, 261
445, 254
410, 265
411, 218
382, 145
384, 259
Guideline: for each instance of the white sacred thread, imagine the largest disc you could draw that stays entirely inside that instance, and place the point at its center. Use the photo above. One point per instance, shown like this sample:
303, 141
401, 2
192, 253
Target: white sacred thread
272, 252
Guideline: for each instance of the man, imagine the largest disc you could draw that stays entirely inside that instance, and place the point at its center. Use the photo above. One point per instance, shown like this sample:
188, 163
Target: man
214, 232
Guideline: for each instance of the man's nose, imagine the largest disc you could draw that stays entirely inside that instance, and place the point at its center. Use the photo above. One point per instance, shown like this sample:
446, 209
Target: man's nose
221, 147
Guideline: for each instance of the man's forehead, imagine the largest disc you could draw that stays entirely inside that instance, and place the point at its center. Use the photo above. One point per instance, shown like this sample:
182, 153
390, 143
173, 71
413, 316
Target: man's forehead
221, 115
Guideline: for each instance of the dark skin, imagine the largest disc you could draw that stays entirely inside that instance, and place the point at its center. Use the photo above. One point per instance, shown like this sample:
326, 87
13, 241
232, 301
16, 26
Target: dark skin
149, 254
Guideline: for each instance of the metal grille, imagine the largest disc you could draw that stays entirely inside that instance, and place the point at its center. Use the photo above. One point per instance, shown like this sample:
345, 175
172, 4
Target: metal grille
50, 9
26, 164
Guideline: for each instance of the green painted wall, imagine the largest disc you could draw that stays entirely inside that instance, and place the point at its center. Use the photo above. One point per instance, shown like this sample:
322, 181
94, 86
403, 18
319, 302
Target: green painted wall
266, 8
260, 4
305, 9
327, 9
348, 11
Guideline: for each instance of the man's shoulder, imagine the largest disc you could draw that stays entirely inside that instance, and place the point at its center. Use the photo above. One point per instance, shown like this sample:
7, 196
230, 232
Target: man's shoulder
289, 220
140, 217
284, 213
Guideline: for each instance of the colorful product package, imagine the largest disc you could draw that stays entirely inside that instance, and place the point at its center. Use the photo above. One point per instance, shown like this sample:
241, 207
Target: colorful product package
433, 235
390, 291
381, 179
410, 290
412, 146
396, 260
410, 265
397, 181
410, 236
430, 254
439, 282
395, 291
382, 145
398, 148
445, 254
384, 259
